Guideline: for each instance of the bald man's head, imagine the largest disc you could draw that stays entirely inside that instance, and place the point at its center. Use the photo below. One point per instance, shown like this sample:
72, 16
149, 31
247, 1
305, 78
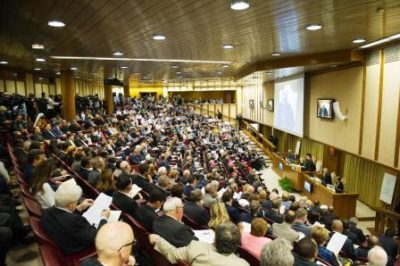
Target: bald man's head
114, 242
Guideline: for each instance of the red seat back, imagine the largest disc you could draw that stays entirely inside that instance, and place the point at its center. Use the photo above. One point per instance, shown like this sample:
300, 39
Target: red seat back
50, 255
33, 208
191, 223
248, 256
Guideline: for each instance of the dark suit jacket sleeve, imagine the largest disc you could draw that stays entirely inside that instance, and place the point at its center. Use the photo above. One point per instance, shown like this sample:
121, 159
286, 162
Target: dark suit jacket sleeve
84, 232
184, 236
349, 249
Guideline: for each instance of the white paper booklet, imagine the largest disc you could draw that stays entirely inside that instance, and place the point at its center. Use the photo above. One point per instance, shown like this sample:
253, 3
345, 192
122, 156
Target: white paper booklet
206, 235
336, 243
93, 214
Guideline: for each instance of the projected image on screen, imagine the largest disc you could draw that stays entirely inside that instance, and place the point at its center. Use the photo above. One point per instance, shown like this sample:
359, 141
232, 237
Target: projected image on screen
289, 103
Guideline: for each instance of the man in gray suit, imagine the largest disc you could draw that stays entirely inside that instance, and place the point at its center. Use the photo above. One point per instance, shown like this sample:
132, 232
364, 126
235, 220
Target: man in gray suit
284, 230
227, 239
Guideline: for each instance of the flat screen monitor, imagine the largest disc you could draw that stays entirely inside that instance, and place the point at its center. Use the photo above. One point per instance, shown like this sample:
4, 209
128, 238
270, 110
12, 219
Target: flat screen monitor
325, 108
308, 186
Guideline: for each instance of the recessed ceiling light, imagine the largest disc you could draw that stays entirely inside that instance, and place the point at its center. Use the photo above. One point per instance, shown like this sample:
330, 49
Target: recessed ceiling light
225, 66
40, 60
276, 54
37, 69
227, 46
178, 72
384, 40
314, 27
159, 37
359, 40
74, 68
37, 46
58, 73
240, 4
118, 53
174, 66
3, 62
124, 67
333, 66
219, 72
56, 23
77, 77
136, 73
268, 73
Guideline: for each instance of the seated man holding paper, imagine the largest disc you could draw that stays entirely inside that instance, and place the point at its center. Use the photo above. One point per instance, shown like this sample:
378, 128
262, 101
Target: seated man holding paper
227, 240
63, 222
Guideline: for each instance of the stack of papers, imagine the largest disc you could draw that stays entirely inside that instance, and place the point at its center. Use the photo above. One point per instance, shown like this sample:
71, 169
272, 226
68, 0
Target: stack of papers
336, 243
205, 235
134, 191
102, 202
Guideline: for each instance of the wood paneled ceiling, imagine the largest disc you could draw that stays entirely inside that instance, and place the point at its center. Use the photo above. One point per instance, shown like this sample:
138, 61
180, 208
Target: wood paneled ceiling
194, 29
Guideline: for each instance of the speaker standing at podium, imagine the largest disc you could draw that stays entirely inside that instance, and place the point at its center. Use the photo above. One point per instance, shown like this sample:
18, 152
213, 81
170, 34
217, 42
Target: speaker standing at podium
339, 187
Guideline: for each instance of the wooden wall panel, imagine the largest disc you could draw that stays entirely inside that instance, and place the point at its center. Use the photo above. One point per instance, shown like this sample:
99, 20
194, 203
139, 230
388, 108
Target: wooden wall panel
268, 118
38, 89
29, 83
390, 103
2, 85
58, 86
10, 86
344, 86
45, 89
370, 111
21, 88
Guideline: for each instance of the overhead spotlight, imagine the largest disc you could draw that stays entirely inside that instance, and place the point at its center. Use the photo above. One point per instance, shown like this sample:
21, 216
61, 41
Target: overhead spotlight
40, 60
159, 37
174, 66
136, 73
56, 23
314, 27
124, 67
3, 62
333, 66
276, 54
240, 4
37, 46
219, 72
228, 46
359, 40
118, 53
225, 66
37, 69
74, 68
178, 72
58, 73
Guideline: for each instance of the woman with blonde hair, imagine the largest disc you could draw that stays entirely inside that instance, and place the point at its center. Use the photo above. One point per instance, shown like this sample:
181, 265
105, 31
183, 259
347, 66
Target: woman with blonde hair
218, 215
173, 176
106, 182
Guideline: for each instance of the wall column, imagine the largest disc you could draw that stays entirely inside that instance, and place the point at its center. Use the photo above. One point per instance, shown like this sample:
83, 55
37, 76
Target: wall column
108, 97
68, 94
126, 91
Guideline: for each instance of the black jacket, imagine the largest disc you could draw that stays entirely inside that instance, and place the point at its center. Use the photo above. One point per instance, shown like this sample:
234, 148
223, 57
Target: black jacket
125, 203
176, 233
274, 216
146, 215
196, 213
70, 231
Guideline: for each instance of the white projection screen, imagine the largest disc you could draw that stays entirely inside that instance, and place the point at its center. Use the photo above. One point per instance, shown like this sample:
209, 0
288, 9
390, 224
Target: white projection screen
289, 106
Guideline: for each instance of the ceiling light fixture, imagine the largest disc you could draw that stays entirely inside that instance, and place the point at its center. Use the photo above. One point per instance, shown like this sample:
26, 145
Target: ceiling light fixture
239, 4
159, 37
178, 72
56, 23
268, 73
124, 67
37, 46
118, 53
40, 60
228, 46
276, 54
58, 73
174, 66
74, 68
225, 66
359, 40
37, 69
384, 40
3, 62
219, 72
314, 27
140, 59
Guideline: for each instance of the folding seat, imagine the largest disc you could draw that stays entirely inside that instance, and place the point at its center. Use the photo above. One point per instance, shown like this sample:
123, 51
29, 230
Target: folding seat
33, 208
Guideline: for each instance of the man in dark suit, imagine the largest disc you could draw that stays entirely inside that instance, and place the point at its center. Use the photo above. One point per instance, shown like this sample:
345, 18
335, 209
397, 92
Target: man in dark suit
348, 247
85, 168
389, 244
327, 178
194, 210
35, 157
233, 212
56, 130
354, 233
63, 222
170, 227
273, 214
308, 165
47, 133
300, 223
122, 198
339, 187
306, 252
147, 213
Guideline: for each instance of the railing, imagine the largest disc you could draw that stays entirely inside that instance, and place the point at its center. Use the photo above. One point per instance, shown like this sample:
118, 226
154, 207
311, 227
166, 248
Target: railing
259, 137
385, 219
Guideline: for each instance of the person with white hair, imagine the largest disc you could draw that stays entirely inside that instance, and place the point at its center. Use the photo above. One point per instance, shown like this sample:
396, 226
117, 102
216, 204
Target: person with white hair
278, 252
169, 225
377, 256
63, 222
111, 250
